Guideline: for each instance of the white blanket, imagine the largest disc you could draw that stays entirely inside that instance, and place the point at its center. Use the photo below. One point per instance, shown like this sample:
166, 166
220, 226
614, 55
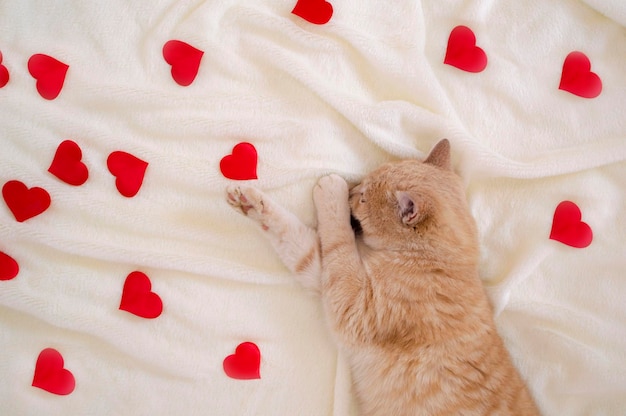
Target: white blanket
368, 86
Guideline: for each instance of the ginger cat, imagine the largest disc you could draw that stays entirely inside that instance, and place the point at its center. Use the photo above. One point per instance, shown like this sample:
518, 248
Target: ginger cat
401, 293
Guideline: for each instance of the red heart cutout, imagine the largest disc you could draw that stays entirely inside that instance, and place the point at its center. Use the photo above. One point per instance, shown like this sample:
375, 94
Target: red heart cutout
4, 73
241, 164
568, 228
8, 267
577, 77
462, 51
245, 363
49, 73
184, 59
138, 298
25, 203
67, 166
317, 12
50, 374
128, 170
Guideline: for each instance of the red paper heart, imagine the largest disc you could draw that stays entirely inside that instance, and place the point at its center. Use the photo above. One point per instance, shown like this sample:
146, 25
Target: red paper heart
128, 170
184, 59
49, 73
67, 166
317, 12
241, 164
462, 51
8, 267
50, 374
25, 203
577, 77
138, 298
568, 228
245, 363
4, 73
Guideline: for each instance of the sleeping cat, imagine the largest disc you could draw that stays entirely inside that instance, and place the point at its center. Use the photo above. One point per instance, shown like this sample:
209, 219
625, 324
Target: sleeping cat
401, 293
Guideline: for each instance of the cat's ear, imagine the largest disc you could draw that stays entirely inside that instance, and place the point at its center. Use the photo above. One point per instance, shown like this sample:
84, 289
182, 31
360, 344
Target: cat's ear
411, 209
440, 155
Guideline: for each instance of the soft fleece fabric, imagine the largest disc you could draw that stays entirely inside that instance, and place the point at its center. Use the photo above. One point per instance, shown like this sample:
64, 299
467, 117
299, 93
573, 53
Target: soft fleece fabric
367, 87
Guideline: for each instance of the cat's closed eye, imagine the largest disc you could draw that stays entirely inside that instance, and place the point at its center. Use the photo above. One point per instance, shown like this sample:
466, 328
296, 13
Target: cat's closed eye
358, 192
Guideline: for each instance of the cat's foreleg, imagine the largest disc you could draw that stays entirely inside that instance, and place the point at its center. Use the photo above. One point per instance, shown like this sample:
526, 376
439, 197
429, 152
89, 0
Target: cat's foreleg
344, 288
296, 244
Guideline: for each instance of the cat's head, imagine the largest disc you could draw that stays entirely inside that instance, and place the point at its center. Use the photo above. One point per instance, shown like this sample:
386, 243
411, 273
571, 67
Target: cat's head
413, 204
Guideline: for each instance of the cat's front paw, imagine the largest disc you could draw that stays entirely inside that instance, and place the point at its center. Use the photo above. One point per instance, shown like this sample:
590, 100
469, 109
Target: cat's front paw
331, 196
330, 187
247, 200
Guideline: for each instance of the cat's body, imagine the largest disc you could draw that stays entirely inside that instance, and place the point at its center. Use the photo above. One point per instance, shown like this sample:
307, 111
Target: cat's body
402, 295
